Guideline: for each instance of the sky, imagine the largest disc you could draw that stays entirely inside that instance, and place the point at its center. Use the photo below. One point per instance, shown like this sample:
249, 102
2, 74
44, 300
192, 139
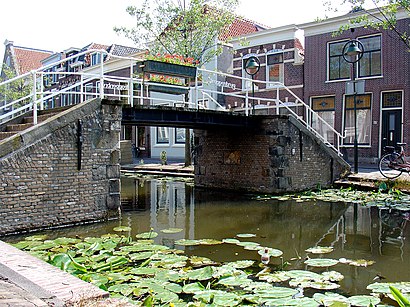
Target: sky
56, 26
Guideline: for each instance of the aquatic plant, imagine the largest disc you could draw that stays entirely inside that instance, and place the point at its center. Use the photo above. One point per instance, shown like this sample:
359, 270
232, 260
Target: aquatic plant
150, 274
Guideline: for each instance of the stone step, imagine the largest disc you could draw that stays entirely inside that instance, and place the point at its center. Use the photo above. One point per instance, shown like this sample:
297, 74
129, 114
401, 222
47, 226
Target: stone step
40, 118
5, 135
18, 127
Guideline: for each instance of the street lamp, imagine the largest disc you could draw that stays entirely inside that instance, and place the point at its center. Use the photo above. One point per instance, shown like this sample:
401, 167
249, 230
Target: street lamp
252, 66
352, 53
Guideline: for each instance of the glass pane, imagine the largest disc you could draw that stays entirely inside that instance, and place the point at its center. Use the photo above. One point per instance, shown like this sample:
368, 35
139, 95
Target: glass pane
323, 129
364, 65
334, 68
392, 99
371, 43
344, 70
180, 135
363, 126
376, 63
162, 135
275, 73
336, 48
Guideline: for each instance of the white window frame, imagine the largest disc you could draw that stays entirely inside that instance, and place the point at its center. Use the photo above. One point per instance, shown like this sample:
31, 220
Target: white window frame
269, 83
362, 145
381, 57
164, 133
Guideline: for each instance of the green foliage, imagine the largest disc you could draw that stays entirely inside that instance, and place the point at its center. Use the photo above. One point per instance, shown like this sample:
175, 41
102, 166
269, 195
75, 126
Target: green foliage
187, 28
384, 17
16, 89
399, 297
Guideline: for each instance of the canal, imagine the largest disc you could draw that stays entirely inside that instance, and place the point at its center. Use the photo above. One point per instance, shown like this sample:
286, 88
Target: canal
354, 231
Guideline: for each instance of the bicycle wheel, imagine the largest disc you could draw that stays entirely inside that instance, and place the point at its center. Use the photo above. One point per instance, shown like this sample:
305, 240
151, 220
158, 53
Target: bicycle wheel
386, 165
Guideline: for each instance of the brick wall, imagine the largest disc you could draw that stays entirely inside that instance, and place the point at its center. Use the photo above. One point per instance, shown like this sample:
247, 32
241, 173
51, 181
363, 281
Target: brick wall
395, 76
278, 156
41, 184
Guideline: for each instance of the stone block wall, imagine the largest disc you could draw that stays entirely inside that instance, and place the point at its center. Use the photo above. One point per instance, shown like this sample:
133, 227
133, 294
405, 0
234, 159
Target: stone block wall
278, 156
42, 183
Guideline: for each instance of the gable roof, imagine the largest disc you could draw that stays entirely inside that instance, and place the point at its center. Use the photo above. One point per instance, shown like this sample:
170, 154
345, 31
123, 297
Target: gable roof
241, 26
28, 59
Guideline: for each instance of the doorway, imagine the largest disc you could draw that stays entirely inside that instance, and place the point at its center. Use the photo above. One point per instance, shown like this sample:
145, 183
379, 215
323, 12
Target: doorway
391, 128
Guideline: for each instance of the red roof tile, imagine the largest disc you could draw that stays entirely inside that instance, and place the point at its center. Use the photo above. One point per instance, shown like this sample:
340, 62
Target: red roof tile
241, 26
28, 59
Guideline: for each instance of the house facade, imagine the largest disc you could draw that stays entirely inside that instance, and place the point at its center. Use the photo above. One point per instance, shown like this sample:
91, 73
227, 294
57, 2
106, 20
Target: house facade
382, 88
280, 56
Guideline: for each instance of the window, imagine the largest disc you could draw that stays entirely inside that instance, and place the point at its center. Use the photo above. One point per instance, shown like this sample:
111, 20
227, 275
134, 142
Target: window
363, 110
370, 63
180, 135
338, 68
392, 99
95, 58
324, 107
274, 67
162, 135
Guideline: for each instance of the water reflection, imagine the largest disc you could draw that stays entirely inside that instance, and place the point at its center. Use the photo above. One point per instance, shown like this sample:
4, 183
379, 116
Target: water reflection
355, 231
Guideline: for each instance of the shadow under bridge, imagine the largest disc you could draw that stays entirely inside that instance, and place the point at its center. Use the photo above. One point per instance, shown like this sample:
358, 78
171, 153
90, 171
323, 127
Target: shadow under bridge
184, 118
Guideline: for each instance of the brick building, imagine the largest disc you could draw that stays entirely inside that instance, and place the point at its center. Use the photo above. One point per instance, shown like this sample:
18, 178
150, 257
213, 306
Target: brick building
317, 73
382, 115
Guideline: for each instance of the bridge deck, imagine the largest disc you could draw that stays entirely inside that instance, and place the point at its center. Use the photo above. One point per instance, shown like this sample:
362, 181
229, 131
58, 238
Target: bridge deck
184, 118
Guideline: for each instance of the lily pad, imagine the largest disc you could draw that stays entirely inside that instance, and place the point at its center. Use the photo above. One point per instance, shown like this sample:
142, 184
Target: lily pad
246, 244
231, 241
172, 230
361, 262
201, 274
193, 288
246, 235
241, 264
321, 262
210, 242
186, 242
147, 235
272, 252
277, 292
274, 277
363, 300
330, 298
320, 250
122, 229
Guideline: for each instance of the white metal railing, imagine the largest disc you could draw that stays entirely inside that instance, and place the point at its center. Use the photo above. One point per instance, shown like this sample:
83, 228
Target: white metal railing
42, 88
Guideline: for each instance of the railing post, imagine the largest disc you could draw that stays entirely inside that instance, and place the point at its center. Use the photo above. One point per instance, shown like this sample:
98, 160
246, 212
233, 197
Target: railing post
277, 100
247, 102
42, 90
33, 75
101, 75
196, 92
81, 88
131, 87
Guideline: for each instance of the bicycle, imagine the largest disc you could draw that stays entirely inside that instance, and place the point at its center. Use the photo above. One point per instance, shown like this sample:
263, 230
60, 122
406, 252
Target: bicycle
393, 163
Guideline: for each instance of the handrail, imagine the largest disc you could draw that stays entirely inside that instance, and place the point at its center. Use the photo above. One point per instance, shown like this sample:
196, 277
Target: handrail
96, 82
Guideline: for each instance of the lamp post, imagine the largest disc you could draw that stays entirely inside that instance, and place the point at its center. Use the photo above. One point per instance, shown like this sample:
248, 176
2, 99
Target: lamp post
352, 53
252, 66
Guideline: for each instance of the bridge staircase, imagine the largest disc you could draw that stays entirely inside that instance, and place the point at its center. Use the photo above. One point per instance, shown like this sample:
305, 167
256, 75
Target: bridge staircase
24, 122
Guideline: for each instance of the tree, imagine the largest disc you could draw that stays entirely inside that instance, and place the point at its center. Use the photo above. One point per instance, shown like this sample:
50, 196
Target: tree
16, 89
193, 29
183, 27
383, 15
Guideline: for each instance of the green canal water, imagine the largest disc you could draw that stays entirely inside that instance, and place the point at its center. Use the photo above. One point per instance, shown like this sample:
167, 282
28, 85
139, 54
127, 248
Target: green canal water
353, 230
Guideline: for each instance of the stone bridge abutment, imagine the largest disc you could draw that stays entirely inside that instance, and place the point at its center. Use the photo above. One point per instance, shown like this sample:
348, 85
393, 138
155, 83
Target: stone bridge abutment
278, 155
64, 171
